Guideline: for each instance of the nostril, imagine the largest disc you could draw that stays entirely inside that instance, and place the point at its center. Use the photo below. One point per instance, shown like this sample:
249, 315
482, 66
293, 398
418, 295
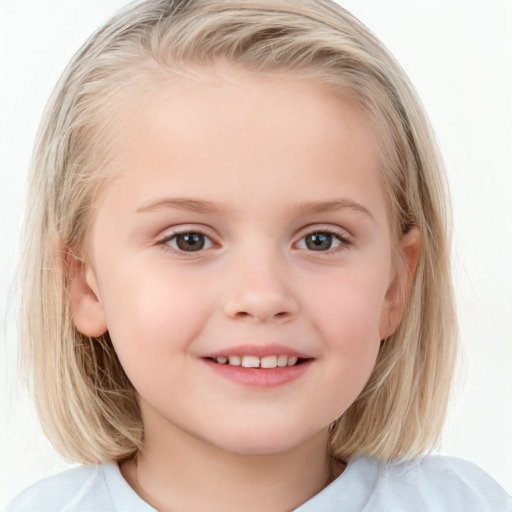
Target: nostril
279, 316
277, 308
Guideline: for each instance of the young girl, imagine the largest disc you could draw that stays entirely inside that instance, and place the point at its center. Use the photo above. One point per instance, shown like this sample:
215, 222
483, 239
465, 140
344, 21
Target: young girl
237, 273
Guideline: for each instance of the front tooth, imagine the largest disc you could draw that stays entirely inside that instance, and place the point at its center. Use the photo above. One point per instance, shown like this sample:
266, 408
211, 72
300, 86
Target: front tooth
222, 360
251, 361
282, 361
235, 360
292, 360
269, 362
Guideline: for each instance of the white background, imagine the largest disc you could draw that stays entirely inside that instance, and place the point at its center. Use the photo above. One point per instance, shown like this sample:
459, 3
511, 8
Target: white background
458, 54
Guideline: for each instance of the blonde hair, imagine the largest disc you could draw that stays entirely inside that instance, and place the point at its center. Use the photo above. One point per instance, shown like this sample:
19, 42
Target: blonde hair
87, 405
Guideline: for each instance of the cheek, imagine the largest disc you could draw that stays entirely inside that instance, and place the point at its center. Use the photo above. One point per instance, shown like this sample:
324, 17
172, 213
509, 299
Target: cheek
353, 333
350, 301
151, 315
347, 314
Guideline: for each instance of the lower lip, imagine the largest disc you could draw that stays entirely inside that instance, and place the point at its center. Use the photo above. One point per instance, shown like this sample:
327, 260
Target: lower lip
260, 377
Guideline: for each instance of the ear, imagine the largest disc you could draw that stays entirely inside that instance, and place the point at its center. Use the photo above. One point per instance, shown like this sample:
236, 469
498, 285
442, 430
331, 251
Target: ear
398, 290
86, 307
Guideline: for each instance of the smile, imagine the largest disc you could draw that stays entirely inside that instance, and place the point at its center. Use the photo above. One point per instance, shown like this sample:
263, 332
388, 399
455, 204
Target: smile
251, 361
259, 366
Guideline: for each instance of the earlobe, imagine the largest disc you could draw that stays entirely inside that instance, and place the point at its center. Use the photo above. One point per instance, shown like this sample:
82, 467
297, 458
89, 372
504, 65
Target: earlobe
398, 290
86, 307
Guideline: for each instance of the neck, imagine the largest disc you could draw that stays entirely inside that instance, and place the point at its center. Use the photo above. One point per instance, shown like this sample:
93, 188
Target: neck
181, 472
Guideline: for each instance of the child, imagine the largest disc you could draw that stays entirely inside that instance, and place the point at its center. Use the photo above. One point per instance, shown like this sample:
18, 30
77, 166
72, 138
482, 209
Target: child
237, 273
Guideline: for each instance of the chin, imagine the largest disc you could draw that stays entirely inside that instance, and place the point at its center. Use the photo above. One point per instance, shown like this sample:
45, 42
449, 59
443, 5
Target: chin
264, 441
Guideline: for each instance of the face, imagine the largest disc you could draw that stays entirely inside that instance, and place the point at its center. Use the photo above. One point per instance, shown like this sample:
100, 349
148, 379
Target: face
241, 259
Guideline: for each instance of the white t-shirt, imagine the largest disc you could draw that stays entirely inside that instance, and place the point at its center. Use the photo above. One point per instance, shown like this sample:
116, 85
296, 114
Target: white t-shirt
428, 484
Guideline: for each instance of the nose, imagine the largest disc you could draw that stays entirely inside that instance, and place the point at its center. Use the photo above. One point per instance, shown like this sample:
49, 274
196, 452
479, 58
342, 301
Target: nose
260, 292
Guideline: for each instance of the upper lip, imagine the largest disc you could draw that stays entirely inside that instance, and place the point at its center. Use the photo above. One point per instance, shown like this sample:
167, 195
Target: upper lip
259, 350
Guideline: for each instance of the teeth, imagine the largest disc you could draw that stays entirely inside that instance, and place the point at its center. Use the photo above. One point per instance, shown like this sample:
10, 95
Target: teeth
269, 362
292, 360
235, 360
257, 362
282, 361
250, 361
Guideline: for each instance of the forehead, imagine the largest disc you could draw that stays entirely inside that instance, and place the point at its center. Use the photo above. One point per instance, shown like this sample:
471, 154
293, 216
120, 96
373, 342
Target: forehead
229, 128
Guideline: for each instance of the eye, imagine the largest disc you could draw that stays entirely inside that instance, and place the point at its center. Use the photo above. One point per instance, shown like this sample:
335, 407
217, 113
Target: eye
188, 241
321, 241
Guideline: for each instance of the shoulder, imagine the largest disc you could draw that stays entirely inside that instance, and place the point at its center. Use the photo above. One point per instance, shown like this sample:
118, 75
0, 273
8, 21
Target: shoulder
78, 489
441, 483
426, 484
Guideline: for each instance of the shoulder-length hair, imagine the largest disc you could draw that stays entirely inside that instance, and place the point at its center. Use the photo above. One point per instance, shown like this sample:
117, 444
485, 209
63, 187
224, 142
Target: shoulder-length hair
88, 407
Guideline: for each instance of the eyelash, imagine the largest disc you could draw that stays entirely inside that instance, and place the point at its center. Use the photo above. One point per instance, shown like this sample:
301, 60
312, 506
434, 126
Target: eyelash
164, 243
344, 241
342, 238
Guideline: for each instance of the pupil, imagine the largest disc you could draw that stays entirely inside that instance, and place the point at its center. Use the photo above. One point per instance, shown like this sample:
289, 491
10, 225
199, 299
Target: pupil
319, 241
190, 242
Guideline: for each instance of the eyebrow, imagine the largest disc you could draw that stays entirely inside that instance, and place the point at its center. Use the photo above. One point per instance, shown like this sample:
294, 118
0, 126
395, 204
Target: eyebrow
312, 207
182, 203
202, 206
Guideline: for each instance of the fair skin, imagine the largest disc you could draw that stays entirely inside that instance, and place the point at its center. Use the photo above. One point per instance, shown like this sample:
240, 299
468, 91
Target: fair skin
247, 220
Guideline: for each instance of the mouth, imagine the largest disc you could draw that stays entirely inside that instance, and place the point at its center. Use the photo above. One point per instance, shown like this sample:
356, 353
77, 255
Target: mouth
265, 362
259, 366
